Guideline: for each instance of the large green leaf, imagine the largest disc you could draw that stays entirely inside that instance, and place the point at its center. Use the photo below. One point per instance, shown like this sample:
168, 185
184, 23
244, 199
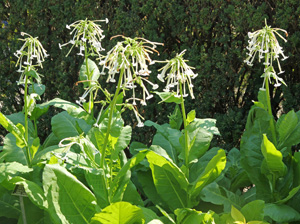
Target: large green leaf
132, 196
220, 196
281, 213
273, 160
170, 182
97, 181
122, 141
120, 182
199, 142
288, 128
119, 213
13, 129
93, 75
69, 201
73, 109
258, 123
33, 191
9, 204
167, 138
12, 169
64, 125
211, 172
189, 216
11, 152
254, 210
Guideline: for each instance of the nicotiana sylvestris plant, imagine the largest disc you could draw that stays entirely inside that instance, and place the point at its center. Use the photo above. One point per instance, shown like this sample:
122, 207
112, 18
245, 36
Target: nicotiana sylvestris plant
270, 164
176, 155
30, 56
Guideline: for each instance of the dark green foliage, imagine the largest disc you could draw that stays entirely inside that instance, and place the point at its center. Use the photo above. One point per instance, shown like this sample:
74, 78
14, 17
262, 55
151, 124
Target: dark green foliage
213, 32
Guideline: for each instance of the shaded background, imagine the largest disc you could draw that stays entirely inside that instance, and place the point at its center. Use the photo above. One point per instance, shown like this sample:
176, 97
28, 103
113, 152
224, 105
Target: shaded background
214, 33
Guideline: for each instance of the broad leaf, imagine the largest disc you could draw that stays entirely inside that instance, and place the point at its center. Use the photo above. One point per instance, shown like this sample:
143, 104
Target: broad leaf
69, 201
120, 182
73, 109
122, 141
170, 183
12, 169
220, 196
119, 213
98, 183
281, 213
33, 191
237, 215
13, 129
91, 75
288, 128
11, 152
211, 172
9, 204
254, 210
64, 125
188, 216
273, 160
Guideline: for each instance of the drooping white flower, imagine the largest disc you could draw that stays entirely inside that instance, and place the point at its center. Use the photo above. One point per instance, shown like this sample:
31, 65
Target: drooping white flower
265, 44
179, 74
31, 54
86, 32
131, 58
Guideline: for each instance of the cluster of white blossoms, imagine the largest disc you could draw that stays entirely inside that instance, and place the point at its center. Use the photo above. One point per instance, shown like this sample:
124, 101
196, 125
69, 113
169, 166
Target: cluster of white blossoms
31, 54
86, 31
130, 58
265, 44
179, 74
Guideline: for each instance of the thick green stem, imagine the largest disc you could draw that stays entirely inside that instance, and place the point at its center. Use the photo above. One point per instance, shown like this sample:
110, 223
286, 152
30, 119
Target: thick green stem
111, 111
91, 99
272, 125
28, 153
186, 140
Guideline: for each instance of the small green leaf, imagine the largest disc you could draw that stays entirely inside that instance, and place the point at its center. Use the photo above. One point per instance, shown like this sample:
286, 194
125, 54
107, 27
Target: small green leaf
36, 88
191, 116
237, 215
254, 210
93, 75
168, 97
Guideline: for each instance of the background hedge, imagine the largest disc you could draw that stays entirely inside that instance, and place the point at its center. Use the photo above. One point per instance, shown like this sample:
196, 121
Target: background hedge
214, 32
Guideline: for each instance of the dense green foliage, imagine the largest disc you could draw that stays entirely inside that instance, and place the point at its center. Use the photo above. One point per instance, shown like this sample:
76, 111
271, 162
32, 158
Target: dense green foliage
213, 32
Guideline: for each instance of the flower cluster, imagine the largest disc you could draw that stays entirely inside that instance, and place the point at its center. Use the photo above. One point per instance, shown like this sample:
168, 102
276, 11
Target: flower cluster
265, 44
86, 32
180, 74
130, 58
31, 54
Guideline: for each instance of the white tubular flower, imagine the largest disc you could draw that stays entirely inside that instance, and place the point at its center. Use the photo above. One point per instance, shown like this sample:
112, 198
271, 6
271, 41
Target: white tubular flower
86, 32
265, 44
131, 57
179, 73
31, 53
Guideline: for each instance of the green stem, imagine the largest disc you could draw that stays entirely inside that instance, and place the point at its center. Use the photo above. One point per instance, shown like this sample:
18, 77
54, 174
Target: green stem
111, 111
186, 145
91, 99
28, 154
272, 125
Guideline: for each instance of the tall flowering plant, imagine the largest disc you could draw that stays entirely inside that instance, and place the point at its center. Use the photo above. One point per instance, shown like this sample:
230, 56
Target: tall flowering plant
265, 45
30, 56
